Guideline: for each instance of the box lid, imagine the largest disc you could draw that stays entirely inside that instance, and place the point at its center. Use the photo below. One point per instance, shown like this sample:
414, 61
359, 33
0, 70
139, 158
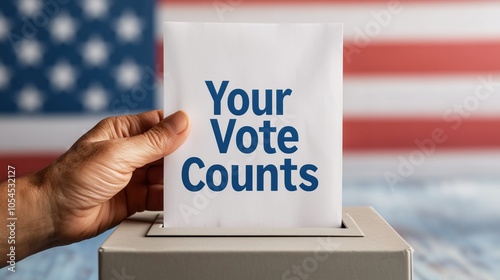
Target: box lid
377, 235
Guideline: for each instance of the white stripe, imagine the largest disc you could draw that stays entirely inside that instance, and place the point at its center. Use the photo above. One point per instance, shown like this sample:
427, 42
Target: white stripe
42, 134
50, 134
455, 163
416, 21
424, 96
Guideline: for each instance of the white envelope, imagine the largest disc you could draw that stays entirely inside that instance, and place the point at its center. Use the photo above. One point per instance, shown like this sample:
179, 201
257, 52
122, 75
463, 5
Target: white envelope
265, 104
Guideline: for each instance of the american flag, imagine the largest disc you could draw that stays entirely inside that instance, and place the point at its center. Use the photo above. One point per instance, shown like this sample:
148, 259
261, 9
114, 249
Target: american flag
76, 57
410, 66
66, 64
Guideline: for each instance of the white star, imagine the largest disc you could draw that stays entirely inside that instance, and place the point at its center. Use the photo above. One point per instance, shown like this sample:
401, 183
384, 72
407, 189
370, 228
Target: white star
29, 52
29, 99
4, 27
4, 76
63, 28
95, 98
127, 74
128, 27
29, 7
95, 8
62, 76
95, 52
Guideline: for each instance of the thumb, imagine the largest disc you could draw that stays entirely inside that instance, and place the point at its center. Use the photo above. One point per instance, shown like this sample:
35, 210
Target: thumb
159, 141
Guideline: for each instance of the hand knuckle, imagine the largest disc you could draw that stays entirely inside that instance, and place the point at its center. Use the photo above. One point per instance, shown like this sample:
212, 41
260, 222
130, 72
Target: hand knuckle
158, 140
117, 124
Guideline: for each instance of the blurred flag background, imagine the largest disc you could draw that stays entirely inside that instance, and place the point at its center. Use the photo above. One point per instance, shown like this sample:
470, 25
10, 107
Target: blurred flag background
66, 64
421, 105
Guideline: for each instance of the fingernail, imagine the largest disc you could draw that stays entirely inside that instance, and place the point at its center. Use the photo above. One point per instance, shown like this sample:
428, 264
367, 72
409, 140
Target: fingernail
177, 122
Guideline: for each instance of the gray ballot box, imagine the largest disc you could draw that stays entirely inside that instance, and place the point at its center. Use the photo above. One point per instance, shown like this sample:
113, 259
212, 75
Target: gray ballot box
366, 247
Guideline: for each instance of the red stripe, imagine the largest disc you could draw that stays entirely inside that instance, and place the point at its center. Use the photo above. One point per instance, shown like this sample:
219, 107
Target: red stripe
399, 58
401, 133
24, 163
423, 58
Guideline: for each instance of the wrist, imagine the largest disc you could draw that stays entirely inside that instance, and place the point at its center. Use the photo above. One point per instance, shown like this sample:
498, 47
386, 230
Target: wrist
32, 219
41, 214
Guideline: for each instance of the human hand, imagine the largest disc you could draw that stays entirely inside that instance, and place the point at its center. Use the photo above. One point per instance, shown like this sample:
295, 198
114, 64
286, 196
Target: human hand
110, 173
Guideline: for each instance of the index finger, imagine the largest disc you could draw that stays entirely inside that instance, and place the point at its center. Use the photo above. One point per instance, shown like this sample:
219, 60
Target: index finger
123, 126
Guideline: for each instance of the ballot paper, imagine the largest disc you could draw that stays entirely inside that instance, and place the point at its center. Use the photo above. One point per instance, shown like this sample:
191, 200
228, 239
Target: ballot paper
265, 107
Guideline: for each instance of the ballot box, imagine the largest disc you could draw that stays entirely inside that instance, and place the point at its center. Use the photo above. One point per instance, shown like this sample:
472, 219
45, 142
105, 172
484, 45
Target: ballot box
365, 247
